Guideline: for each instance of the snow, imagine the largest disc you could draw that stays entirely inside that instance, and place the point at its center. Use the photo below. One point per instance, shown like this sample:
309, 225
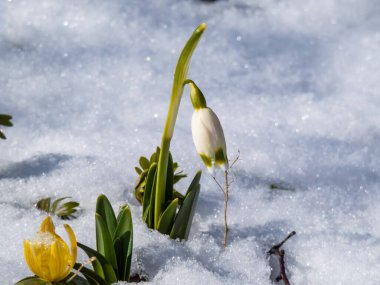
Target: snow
295, 85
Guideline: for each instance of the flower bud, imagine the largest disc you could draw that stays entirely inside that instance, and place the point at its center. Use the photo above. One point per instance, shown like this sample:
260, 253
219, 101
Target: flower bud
207, 132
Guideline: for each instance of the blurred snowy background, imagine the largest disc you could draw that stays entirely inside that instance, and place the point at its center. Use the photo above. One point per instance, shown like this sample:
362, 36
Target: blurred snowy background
295, 84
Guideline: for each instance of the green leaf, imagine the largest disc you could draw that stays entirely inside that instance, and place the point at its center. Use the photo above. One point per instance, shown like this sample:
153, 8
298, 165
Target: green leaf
124, 222
104, 241
67, 209
101, 266
33, 281
91, 276
123, 242
167, 218
152, 203
141, 178
5, 120
44, 204
2, 136
123, 245
178, 176
169, 180
144, 162
183, 221
138, 170
153, 157
104, 209
145, 215
196, 180
56, 203
149, 186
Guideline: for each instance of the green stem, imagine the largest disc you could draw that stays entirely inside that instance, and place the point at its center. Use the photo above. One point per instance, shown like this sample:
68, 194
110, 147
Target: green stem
177, 90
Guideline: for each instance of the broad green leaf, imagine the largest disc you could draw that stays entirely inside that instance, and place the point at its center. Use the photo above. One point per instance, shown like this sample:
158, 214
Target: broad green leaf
101, 266
169, 180
167, 218
124, 222
91, 276
123, 242
2, 136
123, 247
33, 281
104, 241
144, 162
183, 221
149, 186
195, 181
104, 209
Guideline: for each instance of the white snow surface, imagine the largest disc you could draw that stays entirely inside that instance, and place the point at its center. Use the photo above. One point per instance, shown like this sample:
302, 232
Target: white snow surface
294, 83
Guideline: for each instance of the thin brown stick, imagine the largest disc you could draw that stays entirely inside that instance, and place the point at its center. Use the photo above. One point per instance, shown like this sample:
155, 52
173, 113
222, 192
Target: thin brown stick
276, 250
91, 259
236, 159
225, 192
225, 210
220, 186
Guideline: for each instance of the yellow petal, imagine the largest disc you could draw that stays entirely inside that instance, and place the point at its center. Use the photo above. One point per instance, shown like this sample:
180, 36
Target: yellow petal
31, 259
56, 261
73, 244
47, 225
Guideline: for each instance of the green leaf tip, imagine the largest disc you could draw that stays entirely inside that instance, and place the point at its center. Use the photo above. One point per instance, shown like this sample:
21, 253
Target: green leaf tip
201, 28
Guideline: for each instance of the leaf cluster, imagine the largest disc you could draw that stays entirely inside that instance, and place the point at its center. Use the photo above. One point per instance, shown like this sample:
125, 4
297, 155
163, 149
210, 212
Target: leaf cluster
178, 209
63, 210
114, 242
5, 120
143, 169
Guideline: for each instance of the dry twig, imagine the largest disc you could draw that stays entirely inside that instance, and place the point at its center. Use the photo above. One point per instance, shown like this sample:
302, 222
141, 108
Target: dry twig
276, 250
225, 192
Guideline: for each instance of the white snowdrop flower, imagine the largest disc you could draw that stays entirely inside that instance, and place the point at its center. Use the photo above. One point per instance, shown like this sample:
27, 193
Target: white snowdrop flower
207, 132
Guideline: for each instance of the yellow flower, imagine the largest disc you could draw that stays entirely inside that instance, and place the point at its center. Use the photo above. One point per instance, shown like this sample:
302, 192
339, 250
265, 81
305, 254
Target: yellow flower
48, 256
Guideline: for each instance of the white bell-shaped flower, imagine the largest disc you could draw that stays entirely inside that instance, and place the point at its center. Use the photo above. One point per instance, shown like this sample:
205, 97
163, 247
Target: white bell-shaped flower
207, 132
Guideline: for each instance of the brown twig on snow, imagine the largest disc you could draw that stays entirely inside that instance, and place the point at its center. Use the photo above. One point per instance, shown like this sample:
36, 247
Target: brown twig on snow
276, 250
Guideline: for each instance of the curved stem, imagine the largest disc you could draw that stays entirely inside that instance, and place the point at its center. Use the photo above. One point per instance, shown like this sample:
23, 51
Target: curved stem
177, 90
